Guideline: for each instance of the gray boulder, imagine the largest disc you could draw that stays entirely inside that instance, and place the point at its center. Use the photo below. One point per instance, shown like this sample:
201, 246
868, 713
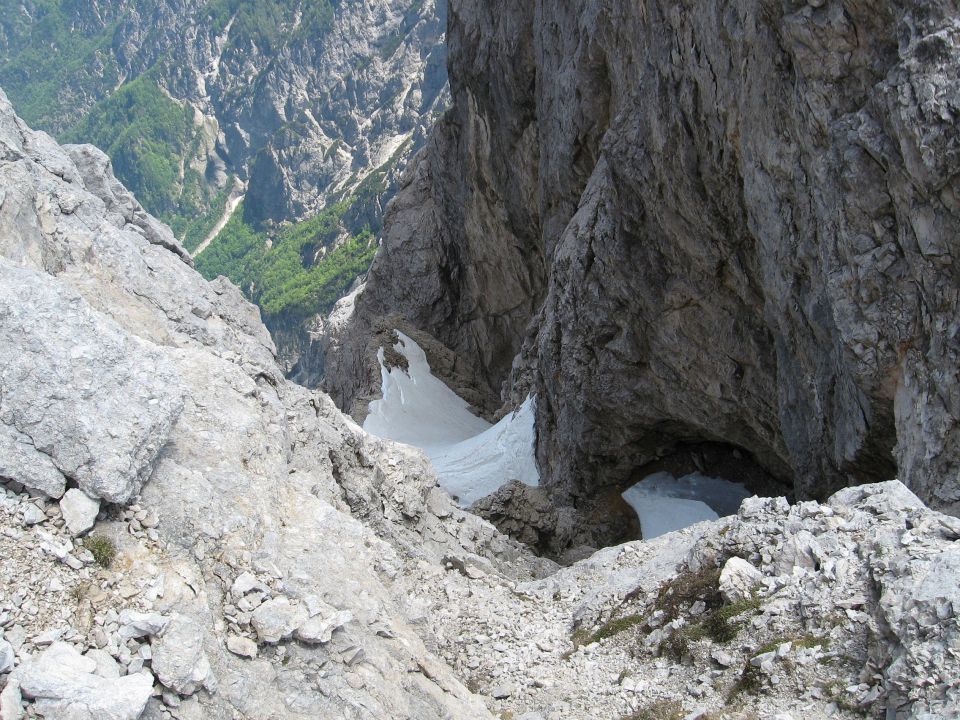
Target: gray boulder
79, 511
277, 619
319, 629
11, 701
92, 401
179, 659
63, 685
738, 579
241, 646
7, 657
138, 624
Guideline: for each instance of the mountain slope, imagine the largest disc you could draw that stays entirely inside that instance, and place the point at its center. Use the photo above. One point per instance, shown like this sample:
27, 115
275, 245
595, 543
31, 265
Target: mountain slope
186, 534
251, 487
300, 107
299, 99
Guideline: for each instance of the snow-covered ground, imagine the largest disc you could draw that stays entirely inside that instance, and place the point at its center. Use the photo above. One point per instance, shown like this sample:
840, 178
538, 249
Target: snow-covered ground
664, 503
472, 457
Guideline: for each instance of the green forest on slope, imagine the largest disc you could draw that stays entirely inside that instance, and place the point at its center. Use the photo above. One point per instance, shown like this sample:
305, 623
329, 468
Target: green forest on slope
67, 68
151, 139
294, 272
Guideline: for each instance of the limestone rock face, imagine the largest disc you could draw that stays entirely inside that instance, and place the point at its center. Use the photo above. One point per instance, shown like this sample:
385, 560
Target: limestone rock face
693, 223
92, 401
127, 373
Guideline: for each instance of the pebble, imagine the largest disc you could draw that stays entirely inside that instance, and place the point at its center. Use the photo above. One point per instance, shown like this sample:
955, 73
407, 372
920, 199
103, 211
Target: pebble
32, 515
244, 647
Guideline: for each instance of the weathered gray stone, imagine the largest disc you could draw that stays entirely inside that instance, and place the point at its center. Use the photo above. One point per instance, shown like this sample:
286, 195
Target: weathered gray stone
179, 660
32, 515
244, 647
11, 701
139, 624
94, 168
247, 582
79, 511
319, 629
107, 667
256, 473
87, 396
62, 685
738, 580
277, 619
20, 461
7, 657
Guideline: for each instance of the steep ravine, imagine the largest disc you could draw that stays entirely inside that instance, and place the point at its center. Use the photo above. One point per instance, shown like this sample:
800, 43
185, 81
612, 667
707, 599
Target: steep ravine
692, 226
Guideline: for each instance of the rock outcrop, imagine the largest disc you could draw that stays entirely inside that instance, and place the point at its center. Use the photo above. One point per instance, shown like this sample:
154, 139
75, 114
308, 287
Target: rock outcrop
851, 614
697, 223
156, 396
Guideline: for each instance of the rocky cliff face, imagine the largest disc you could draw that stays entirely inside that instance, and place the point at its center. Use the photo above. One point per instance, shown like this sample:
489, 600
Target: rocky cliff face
695, 225
266, 112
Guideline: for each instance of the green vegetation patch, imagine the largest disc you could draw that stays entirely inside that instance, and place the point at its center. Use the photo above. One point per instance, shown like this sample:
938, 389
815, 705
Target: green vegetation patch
149, 137
102, 548
52, 58
803, 641
750, 682
193, 231
660, 710
686, 589
717, 624
295, 272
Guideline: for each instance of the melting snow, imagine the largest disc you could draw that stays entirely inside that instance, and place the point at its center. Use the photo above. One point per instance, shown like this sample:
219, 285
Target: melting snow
664, 504
472, 457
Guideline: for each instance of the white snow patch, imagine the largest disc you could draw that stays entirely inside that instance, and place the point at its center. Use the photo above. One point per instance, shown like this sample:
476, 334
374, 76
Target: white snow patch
477, 467
472, 458
664, 504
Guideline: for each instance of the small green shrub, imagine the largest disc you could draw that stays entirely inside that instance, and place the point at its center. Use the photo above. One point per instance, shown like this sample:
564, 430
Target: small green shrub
803, 641
660, 710
686, 589
103, 549
749, 682
612, 627
717, 623
615, 626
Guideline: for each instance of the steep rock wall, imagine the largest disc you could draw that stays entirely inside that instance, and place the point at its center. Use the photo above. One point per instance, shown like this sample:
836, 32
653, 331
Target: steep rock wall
694, 222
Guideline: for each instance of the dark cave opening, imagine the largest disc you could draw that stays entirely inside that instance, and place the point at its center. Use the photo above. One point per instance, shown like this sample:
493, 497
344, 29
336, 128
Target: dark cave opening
570, 531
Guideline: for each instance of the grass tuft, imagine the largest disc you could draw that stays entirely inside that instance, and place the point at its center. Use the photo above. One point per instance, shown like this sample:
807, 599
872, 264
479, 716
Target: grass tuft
660, 710
750, 682
103, 549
